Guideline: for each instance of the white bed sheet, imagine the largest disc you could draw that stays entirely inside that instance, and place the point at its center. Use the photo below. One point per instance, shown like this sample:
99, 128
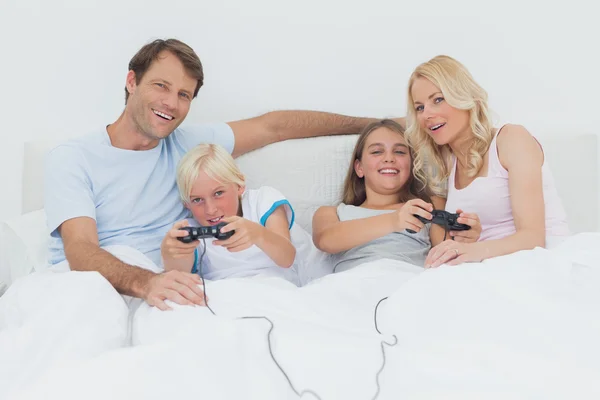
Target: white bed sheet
521, 326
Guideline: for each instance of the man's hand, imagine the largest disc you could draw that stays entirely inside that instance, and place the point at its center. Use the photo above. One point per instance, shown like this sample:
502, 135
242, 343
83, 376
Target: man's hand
401, 121
251, 134
176, 286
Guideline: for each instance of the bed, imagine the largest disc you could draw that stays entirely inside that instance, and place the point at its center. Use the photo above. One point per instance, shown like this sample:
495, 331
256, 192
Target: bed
519, 326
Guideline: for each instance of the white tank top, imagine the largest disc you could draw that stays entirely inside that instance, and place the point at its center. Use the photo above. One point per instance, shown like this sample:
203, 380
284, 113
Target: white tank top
489, 198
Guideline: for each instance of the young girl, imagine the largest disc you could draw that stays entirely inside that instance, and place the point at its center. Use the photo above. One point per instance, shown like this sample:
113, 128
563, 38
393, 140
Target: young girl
379, 201
212, 187
500, 174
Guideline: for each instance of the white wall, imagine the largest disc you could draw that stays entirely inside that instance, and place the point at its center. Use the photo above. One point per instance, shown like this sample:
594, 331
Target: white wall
63, 63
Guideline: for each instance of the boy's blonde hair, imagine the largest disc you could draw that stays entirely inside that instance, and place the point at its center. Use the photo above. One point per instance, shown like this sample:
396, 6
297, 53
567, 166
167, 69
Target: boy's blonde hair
432, 162
214, 160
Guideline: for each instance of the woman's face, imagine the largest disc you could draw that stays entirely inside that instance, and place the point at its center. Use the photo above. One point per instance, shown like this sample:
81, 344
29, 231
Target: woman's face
385, 163
444, 123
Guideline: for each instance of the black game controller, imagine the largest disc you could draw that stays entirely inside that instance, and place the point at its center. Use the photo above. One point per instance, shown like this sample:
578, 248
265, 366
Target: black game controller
201, 232
443, 218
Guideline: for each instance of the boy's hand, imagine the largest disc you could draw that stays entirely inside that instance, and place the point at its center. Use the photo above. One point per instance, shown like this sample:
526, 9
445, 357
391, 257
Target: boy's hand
247, 234
173, 248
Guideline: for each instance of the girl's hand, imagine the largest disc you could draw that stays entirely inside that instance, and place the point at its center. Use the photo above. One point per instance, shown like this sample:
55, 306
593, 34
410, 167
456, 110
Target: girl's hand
405, 217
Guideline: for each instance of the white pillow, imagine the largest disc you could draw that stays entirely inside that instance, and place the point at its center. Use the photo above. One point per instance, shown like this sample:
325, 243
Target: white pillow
24, 240
309, 172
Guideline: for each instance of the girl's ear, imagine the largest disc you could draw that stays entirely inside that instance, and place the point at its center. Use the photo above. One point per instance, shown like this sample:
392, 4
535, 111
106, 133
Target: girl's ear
358, 169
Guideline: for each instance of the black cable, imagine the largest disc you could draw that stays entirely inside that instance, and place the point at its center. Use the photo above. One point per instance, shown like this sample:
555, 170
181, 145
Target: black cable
299, 394
202, 276
383, 343
446, 226
289, 381
375, 314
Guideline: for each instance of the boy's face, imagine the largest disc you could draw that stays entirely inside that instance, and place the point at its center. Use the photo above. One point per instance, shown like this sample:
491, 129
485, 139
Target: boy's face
211, 200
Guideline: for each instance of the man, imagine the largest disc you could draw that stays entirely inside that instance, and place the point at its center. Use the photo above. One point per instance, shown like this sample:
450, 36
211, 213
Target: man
117, 186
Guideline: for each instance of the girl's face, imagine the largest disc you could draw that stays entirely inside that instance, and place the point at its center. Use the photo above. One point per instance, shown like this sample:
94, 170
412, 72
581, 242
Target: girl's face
386, 163
211, 200
439, 119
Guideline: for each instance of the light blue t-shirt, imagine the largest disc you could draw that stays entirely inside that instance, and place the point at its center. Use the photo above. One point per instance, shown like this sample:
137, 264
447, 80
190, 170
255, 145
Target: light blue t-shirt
131, 194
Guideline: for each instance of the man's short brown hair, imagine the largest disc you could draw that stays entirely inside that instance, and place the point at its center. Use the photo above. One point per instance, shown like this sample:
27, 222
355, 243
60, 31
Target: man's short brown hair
142, 60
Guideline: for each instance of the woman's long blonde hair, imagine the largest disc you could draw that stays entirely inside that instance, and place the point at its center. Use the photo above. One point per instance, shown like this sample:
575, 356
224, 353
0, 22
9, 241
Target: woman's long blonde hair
432, 162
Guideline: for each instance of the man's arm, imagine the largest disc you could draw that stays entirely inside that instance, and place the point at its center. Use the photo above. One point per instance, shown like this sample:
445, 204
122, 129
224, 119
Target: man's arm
83, 253
251, 134
71, 211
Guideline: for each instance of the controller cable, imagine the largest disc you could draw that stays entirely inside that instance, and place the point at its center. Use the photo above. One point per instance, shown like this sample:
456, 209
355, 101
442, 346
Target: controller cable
383, 344
307, 391
446, 226
299, 394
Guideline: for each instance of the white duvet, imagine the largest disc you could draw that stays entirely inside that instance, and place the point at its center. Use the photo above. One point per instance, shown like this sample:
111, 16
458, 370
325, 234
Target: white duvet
524, 326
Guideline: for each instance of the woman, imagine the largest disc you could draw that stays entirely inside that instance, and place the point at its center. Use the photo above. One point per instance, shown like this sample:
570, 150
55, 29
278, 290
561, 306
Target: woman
500, 174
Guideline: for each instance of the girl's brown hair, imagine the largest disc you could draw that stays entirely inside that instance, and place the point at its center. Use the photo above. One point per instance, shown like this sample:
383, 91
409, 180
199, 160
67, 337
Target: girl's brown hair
354, 192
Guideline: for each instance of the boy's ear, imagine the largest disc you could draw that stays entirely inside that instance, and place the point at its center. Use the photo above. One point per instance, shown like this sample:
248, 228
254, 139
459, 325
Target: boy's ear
358, 169
241, 189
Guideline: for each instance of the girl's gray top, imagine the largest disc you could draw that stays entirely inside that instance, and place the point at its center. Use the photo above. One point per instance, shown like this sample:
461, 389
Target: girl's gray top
402, 246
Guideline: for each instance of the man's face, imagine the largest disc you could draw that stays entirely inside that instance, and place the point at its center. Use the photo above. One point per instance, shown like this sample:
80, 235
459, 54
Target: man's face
162, 98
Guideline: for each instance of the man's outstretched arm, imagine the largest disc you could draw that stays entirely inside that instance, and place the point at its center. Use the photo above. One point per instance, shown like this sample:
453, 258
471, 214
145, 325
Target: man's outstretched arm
83, 253
251, 134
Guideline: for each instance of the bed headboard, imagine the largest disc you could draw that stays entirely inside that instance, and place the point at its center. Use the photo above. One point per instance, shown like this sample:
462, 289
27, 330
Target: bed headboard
310, 172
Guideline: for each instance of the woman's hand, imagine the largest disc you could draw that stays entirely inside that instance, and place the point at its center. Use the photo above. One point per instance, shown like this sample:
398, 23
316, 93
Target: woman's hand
469, 236
405, 217
451, 252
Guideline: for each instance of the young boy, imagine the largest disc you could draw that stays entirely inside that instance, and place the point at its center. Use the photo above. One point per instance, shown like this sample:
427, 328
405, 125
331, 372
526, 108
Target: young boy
213, 189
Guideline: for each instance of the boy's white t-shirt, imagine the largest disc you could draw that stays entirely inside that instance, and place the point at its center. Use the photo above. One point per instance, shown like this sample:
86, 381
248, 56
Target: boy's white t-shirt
220, 263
